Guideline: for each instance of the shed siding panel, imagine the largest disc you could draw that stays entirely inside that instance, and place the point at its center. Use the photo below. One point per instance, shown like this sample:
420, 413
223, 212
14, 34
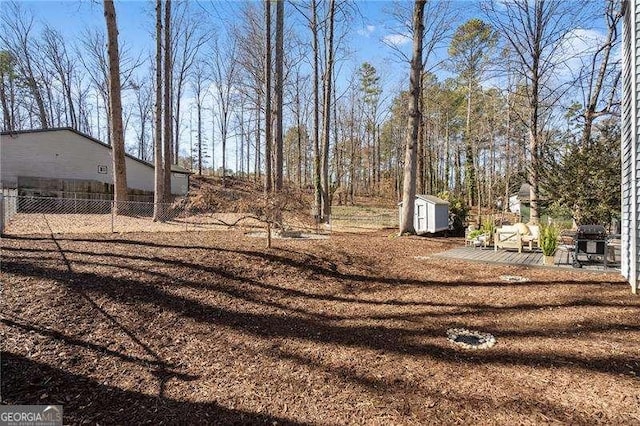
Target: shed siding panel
442, 217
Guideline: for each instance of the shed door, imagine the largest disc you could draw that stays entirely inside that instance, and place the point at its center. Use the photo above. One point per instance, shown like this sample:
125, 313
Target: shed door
420, 217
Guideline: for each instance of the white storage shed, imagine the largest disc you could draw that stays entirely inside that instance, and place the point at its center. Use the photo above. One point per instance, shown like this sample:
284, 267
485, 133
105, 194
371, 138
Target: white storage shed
431, 214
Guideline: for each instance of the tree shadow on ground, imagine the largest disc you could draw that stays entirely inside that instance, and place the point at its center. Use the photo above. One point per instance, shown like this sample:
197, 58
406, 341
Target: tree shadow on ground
409, 396
153, 289
266, 325
462, 308
313, 263
84, 400
307, 266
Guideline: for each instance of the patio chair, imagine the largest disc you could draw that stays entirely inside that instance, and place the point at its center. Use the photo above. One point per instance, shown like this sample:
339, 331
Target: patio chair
567, 245
508, 237
612, 254
532, 240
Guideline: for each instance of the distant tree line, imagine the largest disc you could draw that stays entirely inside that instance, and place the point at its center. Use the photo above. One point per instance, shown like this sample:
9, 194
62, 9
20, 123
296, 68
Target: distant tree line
274, 91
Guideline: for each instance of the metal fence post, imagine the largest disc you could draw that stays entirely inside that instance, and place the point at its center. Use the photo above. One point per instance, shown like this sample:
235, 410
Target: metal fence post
1, 213
112, 215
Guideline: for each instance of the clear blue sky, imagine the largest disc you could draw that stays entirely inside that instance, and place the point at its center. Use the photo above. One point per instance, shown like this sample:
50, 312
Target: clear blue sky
135, 21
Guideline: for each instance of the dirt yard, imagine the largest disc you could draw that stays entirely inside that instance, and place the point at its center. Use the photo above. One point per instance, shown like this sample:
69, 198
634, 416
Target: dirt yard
211, 327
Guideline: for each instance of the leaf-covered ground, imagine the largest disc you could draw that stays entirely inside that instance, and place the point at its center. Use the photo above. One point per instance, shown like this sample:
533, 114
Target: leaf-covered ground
189, 328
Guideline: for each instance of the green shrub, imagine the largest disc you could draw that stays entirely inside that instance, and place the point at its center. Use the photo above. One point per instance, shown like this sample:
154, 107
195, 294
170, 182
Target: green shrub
475, 234
549, 240
457, 209
489, 226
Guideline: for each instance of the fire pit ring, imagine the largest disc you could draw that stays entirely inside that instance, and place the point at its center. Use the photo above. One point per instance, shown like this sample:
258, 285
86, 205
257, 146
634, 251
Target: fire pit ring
470, 339
513, 278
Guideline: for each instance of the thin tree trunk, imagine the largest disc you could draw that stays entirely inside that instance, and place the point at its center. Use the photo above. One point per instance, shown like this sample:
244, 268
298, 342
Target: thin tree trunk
279, 89
168, 130
447, 150
299, 134
158, 195
337, 149
115, 103
352, 156
199, 110
470, 176
316, 111
7, 124
421, 149
213, 144
267, 104
409, 184
534, 149
326, 185
258, 164
175, 144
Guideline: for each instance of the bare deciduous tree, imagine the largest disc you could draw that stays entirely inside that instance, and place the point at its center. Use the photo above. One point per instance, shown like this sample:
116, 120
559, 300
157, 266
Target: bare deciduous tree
198, 86
267, 103
224, 70
168, 105
158, 161
188, 39
600, 71
115, 108
409, 186
278, 91
16, 34
59, 60
326, 114
7, 89
538, 33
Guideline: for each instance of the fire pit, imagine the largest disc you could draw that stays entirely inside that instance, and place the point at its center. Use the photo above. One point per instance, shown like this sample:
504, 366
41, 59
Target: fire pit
513, 279
470, 339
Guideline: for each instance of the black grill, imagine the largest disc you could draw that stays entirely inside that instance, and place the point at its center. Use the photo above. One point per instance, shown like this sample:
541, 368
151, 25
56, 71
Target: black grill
591, 232
591, 243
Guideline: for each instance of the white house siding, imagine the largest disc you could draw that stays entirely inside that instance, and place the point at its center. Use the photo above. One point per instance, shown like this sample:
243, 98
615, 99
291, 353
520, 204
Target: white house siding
66, 154
630, 145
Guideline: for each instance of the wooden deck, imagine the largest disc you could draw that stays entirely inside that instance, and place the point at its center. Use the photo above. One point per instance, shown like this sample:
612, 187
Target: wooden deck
526, 258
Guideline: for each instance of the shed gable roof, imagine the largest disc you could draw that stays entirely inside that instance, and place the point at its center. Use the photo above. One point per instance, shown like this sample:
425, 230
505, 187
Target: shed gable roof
430, 199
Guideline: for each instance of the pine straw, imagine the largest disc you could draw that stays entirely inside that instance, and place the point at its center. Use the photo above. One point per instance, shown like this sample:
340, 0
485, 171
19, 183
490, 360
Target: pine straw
211, 327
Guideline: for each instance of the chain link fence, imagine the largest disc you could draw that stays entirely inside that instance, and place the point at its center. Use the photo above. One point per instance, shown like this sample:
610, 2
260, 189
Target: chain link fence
44, 215
38, 215
363, 218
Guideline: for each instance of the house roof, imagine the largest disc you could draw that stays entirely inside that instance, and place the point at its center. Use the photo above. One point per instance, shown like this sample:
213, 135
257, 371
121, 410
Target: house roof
174, 167
524, 194
430, 199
